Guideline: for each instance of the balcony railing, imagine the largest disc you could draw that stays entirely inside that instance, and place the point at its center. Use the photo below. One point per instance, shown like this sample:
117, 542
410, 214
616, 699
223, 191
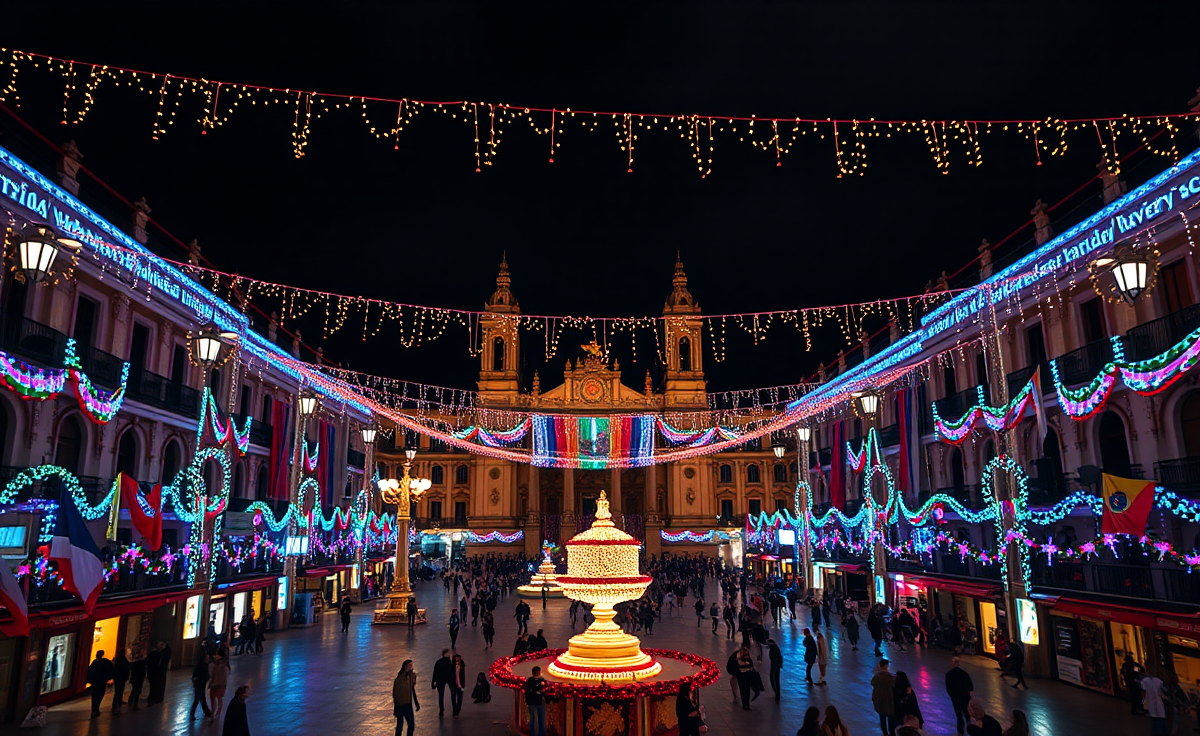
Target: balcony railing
1017, 379
260, 432
1063, 575
1181, 475
32, 340
1182, 586
1155, 336
1126, 580
155, 390
954, 406
1082, 365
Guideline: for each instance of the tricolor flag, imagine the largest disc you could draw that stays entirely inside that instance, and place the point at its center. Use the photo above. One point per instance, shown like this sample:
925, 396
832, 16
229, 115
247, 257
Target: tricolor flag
1127, 504
80, 564
1039, 406
144, 504
13, 599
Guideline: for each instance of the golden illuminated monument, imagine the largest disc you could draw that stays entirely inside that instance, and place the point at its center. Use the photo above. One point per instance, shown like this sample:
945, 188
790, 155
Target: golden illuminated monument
603, 570
545, 581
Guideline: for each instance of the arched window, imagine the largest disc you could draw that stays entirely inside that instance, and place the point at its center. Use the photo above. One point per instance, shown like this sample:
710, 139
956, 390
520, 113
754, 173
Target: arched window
436, 475
266, 412
1114, 448
1189, 424
949, 380
260, 485
989, 452
685, 354
726, 473
958, 478
461, 475
498, 354
127, 454
212, 477
239, 478
68, 448
752, 474
781, 473
171, 461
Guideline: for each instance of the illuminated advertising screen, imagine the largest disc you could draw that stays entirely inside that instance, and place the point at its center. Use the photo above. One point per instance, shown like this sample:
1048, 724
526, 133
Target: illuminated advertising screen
191, 617
1027, 621
787, 537
281, 600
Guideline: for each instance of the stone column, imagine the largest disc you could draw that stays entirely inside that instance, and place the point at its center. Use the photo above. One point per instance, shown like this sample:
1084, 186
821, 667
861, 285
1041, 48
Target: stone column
570, 522
614, 497
653, 522
533, 513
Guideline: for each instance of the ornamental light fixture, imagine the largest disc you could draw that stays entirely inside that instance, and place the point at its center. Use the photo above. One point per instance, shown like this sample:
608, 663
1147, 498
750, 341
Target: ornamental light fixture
368, 434
410, 454
778, 450
38, 247
307, 403
1131, 269
867, 403
417, 486
206, 346
803, 433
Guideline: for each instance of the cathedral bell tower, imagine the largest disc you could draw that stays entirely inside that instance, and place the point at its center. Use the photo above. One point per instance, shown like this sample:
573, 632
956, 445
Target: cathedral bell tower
499, 379
683, 346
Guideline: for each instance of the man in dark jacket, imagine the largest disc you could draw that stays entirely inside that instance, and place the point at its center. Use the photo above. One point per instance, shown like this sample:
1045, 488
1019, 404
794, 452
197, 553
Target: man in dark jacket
200, 676
776, 657
120, 677
1016, 663
157, 666
99, 672
137, 677
443, 673
960, 689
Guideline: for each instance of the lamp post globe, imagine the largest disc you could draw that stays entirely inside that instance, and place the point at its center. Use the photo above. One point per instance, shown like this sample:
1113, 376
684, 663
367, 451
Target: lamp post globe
1131, 274
307, 403
38, 247
206, 346
778, 450
803, 433
867, 402
410, 454
368, 434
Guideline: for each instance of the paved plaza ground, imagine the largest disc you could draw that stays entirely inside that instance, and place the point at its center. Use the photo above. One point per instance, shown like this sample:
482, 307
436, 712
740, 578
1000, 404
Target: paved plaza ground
320, 681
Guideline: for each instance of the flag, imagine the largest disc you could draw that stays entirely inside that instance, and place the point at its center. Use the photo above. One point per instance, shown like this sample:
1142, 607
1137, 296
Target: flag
908, 470
837, 469
1127, 504
137, 497
80, 564
279, 464
13, 599
1039, 406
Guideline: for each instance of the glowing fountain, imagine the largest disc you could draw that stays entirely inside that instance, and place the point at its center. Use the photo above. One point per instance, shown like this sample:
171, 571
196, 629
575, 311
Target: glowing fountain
545, 579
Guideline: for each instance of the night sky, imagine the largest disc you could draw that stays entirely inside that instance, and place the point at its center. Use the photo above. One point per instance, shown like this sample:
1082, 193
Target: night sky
583, 236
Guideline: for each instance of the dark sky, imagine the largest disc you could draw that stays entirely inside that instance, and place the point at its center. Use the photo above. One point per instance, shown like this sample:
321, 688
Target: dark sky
583, 236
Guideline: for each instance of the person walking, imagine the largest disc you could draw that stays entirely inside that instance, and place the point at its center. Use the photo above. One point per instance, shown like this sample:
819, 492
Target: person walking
906, 699
137, 677
344, 610
1153, 702
775, 656
535, 702
810, 655
981, 723
1131, 673
120, 677
729, 622
453, 626
218, 682
851, 630
748, 678
699, 606
236, 722
99, 672
412, 612
875, 627
489, 629
833, 726
731, 668
157, 666
404, 698
443, 673
245, 634
714, 613
812, 722
458, 683
883, 688
960, 689
822, 654
1016, 663
200, 675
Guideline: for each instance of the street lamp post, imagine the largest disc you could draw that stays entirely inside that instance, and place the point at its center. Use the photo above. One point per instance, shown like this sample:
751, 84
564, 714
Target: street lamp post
401, 493
206, 346
306, 406
38, 247
867, 403
368, 436
803, 435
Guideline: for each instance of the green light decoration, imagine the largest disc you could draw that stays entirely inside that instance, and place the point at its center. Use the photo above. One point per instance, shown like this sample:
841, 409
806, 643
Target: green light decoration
30, 476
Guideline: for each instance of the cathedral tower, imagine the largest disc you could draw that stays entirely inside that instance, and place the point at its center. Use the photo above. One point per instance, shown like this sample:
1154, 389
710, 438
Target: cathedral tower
683, 346
499, 377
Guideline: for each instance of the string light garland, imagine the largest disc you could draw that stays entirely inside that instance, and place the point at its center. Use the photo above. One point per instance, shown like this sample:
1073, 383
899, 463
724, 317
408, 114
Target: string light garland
494, 536
694, 537
845, 139
996, 418
39, 384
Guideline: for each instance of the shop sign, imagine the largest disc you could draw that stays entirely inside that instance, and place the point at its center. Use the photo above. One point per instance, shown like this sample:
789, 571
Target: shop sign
67, 619
191, 617
880, 589
1174, 624
1027, 621
281, 599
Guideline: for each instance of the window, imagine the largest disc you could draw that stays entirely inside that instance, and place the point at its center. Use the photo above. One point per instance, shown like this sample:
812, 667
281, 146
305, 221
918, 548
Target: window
68, 446
498, 354
139, 347
179, 363
462, 475
685, 354
1091, 320
1176, 291
214, 380
460, 510
127, 454
60, 660
755, 506
171, 461
752, 474
781, 473
726, 473
266, 412
437, 476
85, 322
435, 509
949, 380
780, 504
245, 402
260, 485
981, 378
958, 478
727, 508
1035, 344
1114, 448
239, 477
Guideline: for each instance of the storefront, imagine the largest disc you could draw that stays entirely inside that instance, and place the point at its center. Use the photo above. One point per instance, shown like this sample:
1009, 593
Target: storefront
1091, 639
839, 579
231, 603
976, 608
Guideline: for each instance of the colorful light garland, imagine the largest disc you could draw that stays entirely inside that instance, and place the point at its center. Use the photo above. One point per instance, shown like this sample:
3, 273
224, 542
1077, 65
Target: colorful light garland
39, 384
494, 536
1144, 377
997, 419
694, 537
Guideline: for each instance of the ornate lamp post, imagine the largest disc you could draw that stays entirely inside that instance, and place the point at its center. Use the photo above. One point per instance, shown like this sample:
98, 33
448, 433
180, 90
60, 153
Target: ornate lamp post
206, 346
306, 406
401, 493
803, 435
369, 431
